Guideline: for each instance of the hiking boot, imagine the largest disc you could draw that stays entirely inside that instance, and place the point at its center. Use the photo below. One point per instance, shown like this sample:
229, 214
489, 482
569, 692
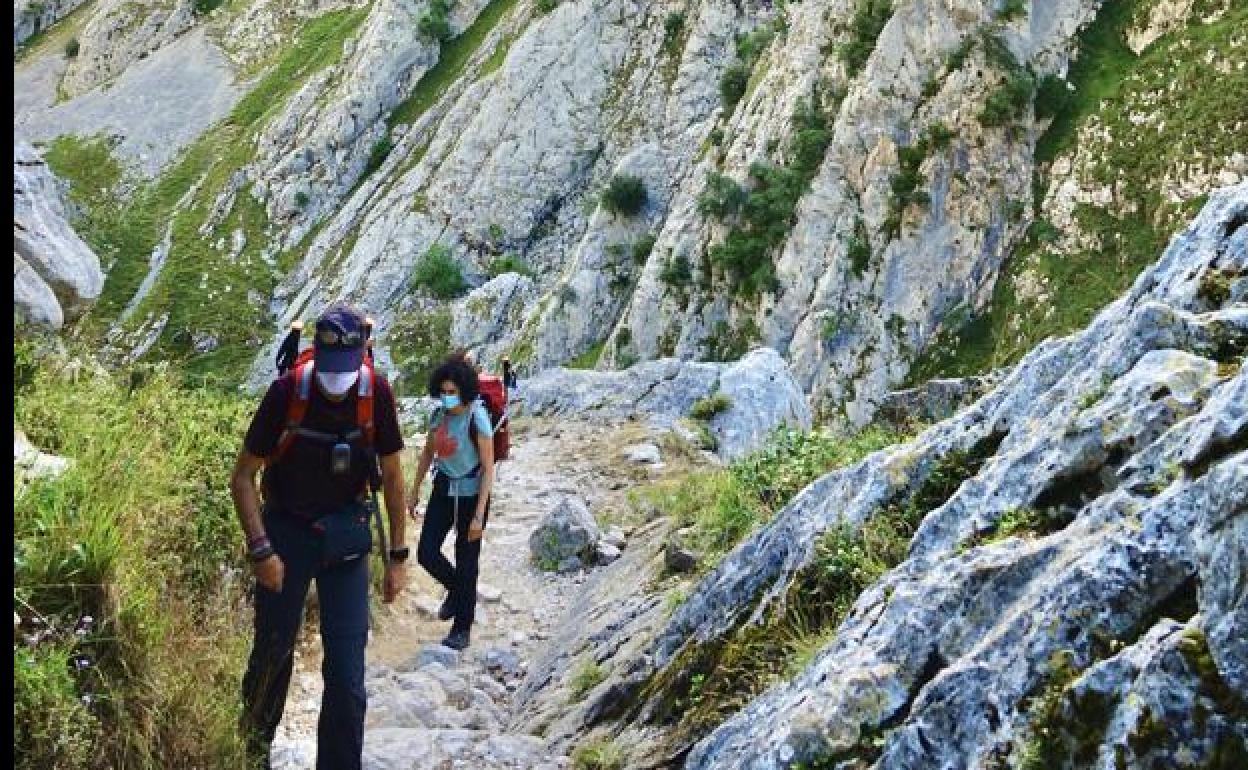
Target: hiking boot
446, 612
457, 640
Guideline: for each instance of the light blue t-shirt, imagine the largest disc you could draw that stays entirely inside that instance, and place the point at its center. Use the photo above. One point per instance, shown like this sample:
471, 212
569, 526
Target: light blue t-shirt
455, 454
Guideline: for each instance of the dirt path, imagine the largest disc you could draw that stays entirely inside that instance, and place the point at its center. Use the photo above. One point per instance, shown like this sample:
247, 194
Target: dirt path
430, 707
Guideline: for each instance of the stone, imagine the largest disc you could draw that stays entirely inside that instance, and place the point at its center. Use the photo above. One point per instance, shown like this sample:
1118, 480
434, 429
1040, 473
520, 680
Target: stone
605, 553
677, 559
615, 536
30, 464
570, 564
437, 653
503, 661
644, 454
488, 593
56, 276
568, 532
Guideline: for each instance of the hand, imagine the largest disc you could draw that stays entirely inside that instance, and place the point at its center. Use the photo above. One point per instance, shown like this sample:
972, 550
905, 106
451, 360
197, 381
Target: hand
476, 527
413, 504
270, 573
395, 581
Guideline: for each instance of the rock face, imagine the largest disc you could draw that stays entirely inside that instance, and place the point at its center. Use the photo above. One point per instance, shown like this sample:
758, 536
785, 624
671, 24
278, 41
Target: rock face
29, 463
121, 32
568, 532
31, 16
762, 396
55, 275
1130, 439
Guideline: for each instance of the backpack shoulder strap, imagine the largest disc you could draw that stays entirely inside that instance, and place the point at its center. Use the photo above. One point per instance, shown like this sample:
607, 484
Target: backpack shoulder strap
296, 409
366, 388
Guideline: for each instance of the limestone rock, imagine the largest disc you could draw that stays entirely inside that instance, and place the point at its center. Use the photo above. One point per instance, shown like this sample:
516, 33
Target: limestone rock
32, 16
29, 463
121, 32
56, 276
568, 532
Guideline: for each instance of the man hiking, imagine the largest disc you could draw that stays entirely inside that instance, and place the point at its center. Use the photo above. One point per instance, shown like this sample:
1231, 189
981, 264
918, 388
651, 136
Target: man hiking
461, 443
318, 434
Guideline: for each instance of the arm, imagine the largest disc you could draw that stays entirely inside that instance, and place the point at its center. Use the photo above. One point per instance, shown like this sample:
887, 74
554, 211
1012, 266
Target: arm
269, 573
392, 484
422, 468
485, 451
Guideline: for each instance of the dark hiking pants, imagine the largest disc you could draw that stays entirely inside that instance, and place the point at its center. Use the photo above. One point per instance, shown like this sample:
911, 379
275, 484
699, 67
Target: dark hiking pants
342, 593
460, 578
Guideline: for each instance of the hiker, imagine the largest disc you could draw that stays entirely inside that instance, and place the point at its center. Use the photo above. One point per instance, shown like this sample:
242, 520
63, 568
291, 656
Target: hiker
320, 433
460, 446
509, 379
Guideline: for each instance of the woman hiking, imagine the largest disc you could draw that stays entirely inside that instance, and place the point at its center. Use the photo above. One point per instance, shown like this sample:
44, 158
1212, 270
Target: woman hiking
460, 447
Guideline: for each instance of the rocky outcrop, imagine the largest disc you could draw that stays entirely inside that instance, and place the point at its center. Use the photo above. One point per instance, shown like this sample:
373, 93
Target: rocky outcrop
56, 275
757, 395
30, 464
119, 33
33, 16
566, 538
1129, 441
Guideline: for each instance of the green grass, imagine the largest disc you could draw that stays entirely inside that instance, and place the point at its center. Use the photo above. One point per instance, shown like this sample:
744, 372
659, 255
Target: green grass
134, 535
868, 22
125, 231
599, 754
707, 408
588, 359
509, 263
454, 56
1200, 108
438, 272
587, 675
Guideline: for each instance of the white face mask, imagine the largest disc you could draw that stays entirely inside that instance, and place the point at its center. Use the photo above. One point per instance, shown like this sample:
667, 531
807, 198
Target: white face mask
337, 383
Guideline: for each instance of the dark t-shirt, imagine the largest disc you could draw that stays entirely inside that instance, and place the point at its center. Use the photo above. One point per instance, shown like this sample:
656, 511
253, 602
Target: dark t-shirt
301, 482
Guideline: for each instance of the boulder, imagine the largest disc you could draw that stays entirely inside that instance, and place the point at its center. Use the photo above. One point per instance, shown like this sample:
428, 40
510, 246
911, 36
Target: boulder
568, 532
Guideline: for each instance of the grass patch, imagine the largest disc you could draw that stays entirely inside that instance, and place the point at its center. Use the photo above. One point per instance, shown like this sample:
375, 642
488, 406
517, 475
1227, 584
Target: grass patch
708, 681
625, 195
588, 359
707, 408
509, 263
587, 675
438, 272
123, 556
454, 56
598, 755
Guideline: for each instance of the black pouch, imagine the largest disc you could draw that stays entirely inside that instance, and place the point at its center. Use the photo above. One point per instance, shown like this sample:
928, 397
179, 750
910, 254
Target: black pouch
344, 535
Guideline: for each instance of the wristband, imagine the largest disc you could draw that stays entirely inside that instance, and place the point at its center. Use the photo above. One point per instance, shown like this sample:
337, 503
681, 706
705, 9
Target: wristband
261, 550
257, 540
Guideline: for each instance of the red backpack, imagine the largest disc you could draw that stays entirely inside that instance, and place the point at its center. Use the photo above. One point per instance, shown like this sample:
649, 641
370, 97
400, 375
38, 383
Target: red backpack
494, 397
302, 375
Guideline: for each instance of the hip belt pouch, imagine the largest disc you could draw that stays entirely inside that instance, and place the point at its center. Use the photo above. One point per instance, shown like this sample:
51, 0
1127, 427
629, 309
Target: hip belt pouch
344, 535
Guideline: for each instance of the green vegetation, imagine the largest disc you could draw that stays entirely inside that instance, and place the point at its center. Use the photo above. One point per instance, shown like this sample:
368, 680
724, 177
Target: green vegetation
1173, 81
546, 6
673, 27
1012, 9
625, 195
378, 154
587, 675
438, 272
418, 342
436, 23
452, 59
677, 272
707, 681
727, 342
588, 359
598, 755
642, 248
864, 29
203, 291
72, 48
1009, 102
1215, 286
707, 408
1065, 725
859, 249
739, 78
761, 218
205, 7
118, 573
509, 263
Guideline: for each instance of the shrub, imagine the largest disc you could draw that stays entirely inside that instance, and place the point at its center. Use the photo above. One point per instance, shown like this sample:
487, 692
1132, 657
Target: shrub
546, 6
625, 195
722, 197
436, 24
1052, 97
509, 263
732, 85
939, 135
203, 7
859, 249
707, 408
71, 48
642, 248
438, 272
864, 28
1009, 101
301, 199
673, 25
378, 154
677, 272
716, 136
1012, 9
598, 755
587, 676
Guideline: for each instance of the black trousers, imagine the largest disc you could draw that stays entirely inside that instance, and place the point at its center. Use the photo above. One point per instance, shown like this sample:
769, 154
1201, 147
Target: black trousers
460, 578
343, 595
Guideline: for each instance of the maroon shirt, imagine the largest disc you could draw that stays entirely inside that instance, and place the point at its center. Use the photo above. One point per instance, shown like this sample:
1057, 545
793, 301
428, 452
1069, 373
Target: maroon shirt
301, 482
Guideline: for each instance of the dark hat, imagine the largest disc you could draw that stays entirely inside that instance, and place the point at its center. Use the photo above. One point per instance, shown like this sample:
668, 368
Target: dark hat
340, 336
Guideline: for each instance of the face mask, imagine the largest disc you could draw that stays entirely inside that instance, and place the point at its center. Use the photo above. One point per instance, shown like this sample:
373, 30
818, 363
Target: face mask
337, 383
450, 401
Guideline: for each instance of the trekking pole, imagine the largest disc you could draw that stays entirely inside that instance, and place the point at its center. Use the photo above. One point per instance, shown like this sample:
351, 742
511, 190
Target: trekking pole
374, 481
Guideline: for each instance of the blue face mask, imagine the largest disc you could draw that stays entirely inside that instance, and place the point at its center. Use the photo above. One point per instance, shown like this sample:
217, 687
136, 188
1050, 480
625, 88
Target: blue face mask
450, 401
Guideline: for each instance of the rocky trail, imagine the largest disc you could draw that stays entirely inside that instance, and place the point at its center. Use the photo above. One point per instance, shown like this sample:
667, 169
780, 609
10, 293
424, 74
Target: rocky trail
431, 707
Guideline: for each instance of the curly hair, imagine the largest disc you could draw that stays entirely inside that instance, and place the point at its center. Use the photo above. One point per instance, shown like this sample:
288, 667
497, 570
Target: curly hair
456, 369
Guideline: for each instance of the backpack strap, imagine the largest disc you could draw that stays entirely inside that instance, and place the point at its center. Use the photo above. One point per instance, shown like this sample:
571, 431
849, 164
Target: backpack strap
296, 410
366, 387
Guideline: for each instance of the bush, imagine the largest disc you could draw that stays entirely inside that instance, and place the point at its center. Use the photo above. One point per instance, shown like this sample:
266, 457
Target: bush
71, 48
939, 135
509, 263
546, 6
673, 25
1012, 9
203, 7
707, 408
598, 755
677, 272
378, 154
625, 195
864, 29
642, 248
436, 24
1052, 97
1009, 101
301, 199
587, 676
438, 272
732, 85
722, 197
859, 249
